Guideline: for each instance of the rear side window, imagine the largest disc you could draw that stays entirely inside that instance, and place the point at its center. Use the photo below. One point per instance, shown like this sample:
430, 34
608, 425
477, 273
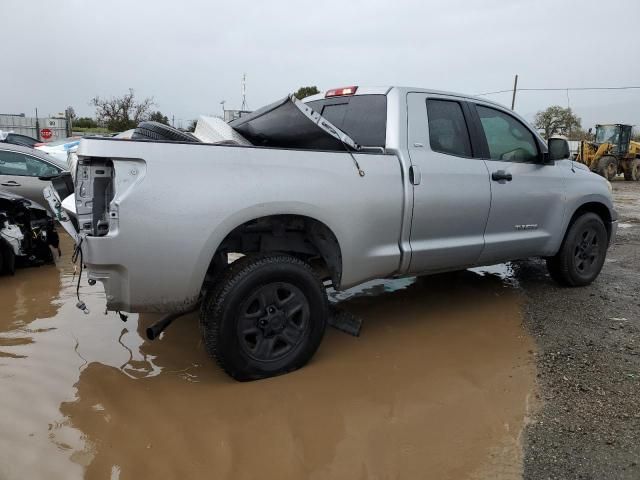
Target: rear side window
448, 131
362, 117
508, 139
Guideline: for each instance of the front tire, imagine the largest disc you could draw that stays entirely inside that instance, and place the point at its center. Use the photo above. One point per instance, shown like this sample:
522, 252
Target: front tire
582, 252
608, 167
266, 316
632, 173
8, 260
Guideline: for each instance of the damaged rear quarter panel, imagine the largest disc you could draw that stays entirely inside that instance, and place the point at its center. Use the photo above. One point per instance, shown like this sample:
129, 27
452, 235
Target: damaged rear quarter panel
171, 223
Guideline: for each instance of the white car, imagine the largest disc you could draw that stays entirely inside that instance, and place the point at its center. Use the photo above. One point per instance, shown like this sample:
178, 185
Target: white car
60, 148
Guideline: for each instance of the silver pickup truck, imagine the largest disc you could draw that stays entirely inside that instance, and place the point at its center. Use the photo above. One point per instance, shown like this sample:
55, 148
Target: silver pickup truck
343, 187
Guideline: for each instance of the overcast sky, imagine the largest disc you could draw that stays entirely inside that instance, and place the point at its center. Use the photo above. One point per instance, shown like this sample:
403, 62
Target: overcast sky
190, 55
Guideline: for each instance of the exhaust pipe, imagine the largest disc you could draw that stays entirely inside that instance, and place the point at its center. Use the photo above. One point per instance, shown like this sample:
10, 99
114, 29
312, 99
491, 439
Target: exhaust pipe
158, 327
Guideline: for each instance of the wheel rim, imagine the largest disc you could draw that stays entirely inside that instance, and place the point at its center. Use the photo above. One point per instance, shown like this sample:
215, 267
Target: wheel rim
273, 321
587, 251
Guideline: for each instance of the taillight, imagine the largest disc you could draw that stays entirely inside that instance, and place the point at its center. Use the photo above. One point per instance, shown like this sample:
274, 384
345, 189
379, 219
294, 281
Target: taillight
338, 92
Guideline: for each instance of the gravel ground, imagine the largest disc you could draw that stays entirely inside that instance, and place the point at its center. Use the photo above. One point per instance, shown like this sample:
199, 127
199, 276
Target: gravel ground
587, 422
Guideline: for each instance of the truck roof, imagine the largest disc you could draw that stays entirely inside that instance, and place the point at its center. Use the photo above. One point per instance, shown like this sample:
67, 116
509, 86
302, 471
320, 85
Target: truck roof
384, 90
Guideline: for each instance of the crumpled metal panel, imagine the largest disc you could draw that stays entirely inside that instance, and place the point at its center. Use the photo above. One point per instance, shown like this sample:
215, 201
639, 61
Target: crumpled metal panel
289, 123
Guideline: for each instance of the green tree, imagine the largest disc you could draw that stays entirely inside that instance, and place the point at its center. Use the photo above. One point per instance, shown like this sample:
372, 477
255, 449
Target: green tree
306, 92
122, 113
578, 133
85, 122
159, 117
192, 126
557, 120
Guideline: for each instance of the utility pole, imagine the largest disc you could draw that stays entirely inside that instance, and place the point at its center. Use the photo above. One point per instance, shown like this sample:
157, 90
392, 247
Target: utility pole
37, 127
244, 92
67, 117
515, 89
173, 121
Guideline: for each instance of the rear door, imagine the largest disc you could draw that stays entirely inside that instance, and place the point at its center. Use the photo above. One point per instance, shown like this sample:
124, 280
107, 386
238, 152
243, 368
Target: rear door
450, 185
527, 196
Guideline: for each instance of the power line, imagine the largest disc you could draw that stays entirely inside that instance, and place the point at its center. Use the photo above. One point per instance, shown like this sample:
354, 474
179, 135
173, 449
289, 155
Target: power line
558, 89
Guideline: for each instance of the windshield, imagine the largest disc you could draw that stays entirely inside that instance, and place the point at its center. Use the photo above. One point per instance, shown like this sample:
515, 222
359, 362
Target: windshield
607, 134
18, 139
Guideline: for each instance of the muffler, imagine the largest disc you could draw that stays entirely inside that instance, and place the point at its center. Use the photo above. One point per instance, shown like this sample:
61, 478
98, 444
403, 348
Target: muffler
158, 327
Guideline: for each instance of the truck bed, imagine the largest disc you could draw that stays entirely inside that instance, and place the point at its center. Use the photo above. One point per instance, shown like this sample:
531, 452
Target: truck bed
176, 202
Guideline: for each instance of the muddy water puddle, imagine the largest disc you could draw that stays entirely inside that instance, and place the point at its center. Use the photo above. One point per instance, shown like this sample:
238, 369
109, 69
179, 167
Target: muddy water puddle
436, 386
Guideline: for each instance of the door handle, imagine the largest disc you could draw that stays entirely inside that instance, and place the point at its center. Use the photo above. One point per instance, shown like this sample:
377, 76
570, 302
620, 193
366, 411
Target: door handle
501, 175
10, 183
414, 175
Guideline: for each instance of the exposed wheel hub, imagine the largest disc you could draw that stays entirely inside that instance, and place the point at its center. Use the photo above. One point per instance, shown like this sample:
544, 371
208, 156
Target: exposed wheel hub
273, 321
587, 250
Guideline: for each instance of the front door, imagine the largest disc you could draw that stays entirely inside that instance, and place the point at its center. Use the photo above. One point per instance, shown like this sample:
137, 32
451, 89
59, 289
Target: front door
451, 194
527, 196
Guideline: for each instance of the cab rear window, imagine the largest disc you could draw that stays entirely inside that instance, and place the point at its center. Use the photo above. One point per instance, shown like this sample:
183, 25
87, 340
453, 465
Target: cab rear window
362, 117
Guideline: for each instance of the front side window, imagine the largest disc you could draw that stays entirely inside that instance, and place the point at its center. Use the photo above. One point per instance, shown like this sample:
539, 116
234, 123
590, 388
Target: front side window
508, 139
447, 128
18, 164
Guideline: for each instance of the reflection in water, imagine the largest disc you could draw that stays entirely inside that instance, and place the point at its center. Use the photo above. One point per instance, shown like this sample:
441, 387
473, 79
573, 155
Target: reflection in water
435, 386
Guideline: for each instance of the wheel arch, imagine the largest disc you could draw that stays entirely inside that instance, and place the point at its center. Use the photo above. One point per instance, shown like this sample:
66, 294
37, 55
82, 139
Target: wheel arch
298, 234
599, 208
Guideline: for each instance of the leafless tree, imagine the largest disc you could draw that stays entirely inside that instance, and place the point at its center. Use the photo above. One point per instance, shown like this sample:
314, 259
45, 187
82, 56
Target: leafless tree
122, 113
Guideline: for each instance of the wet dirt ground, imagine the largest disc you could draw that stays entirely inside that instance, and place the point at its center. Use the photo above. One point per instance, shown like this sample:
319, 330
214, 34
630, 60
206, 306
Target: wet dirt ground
438, 385
588, 361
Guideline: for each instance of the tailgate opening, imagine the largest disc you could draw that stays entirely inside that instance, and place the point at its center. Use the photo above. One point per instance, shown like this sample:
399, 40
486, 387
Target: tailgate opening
94, 192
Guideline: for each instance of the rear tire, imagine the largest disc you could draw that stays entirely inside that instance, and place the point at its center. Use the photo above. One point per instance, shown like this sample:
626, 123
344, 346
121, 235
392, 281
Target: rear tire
265, 316
633, 172
8, 260
160, 131
582, 252
608, 167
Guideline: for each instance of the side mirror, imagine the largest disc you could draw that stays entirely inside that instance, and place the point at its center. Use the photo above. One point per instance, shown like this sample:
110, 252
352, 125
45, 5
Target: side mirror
558, 149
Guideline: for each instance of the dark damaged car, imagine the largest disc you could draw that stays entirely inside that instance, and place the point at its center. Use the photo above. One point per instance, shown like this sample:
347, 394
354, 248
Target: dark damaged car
27, 233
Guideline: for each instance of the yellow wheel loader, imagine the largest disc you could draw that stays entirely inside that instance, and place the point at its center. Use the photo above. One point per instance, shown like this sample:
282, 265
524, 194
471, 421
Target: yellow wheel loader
612, 152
